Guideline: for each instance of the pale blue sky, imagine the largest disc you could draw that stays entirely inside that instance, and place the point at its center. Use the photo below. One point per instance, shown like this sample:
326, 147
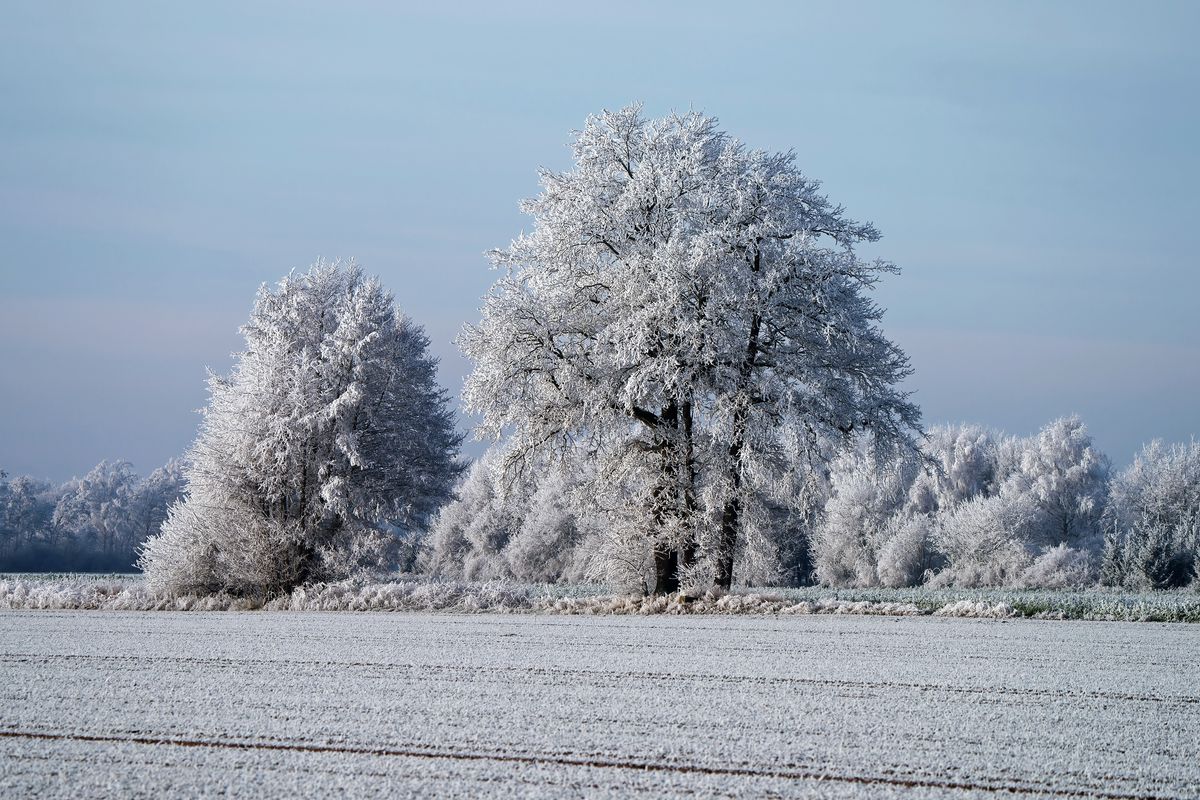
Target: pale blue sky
1033, 167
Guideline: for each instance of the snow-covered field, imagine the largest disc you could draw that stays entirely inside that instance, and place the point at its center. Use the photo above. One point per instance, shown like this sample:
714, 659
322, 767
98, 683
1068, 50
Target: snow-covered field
158, 704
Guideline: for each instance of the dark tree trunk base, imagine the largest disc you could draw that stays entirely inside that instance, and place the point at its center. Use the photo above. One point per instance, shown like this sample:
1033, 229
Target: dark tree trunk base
666, 571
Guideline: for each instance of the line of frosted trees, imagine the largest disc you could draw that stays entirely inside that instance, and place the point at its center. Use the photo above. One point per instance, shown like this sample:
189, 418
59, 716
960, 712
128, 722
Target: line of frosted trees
687, 386
971, 507
94, 523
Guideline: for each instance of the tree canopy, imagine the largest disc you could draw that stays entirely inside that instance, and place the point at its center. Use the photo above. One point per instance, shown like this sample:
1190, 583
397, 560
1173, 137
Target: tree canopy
330, 432
693, 313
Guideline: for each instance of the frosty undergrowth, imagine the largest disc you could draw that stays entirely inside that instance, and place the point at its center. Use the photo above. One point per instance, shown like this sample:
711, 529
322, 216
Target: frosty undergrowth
130, 593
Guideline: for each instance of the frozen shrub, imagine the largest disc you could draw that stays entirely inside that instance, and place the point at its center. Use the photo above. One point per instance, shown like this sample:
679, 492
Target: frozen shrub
546, 547
447, 545
1163, 561
906, 554
185, 555
470, 532
620, 555
504, 526
1060, 567
866, 494
877, 524
984, 541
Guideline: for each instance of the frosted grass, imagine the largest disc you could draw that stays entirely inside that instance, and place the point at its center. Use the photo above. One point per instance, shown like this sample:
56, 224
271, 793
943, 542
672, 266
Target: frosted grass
408, 593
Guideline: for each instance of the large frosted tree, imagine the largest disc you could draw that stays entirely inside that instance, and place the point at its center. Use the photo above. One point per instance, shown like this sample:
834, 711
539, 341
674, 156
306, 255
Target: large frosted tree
693, 313
329, 433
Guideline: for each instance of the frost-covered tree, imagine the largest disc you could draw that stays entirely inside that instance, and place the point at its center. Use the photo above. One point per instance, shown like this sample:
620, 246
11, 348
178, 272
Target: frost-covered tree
96, 522
548, 546
470, 533
983, 509
28, 538
1067, 478
778, 550
985, 540
1039, 523
907, 555
329, 430
965, 464
1152, 522
879, 525
682, 306
97, 511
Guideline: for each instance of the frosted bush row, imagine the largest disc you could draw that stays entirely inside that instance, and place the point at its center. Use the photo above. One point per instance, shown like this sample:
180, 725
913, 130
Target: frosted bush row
982, 510
1042, 512
131, 593
973, 508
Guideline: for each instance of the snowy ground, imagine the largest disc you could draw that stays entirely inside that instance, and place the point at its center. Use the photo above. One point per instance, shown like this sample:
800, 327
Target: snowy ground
157, 704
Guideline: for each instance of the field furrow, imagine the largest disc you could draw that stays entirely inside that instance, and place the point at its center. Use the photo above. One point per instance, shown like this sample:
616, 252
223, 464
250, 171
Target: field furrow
153, 704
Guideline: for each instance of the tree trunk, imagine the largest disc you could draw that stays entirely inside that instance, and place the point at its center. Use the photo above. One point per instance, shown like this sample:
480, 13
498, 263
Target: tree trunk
731, 516
687, 556
666, 570
730, 520
667, 556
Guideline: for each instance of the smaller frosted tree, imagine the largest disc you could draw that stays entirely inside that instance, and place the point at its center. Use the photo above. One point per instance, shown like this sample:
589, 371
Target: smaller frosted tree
778, 548
1067, 478
470, 532
156, 493
27, 533
906, 556
1037, 522
983, 509
964, 466
1152, 523
330, 432
547, 546
984, 540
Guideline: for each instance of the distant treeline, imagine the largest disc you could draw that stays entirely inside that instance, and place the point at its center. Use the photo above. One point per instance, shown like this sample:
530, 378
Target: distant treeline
972, 508
91, 524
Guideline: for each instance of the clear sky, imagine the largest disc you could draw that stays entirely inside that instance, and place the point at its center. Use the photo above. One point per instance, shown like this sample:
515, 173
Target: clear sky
1033, 167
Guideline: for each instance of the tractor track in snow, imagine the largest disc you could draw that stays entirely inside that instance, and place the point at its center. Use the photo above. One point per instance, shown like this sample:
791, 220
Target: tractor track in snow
152, 704
591, 763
